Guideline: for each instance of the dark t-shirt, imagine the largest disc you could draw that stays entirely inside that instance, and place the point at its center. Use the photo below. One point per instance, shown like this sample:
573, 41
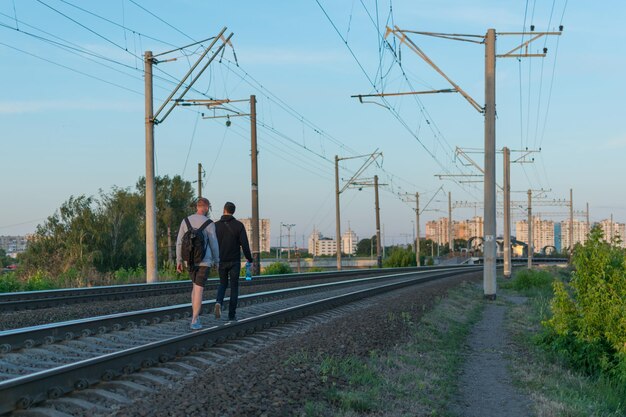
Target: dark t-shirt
231, 236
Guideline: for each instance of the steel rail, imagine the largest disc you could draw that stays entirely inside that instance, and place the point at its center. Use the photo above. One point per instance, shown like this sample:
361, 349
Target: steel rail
28, 337
22, 392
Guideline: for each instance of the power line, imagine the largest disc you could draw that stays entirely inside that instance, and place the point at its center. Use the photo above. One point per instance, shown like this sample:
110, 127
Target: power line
85, 27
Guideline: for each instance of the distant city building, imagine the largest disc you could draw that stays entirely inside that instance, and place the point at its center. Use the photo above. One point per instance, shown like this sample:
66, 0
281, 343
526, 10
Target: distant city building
557, 236
543, 233
313, 239
437, 230
580, 233
319, 245
613, 230
264, 226
13, 244
325, 246
349, 241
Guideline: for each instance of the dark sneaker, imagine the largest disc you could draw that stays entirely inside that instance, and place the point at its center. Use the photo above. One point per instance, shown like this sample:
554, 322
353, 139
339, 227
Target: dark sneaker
233, 318
218, 310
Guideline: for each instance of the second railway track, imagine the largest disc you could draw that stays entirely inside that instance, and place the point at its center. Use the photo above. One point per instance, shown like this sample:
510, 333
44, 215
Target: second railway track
30, 300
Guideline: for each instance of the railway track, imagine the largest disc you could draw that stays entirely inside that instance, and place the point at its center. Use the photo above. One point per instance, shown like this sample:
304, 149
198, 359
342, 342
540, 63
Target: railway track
53, 298
35, 372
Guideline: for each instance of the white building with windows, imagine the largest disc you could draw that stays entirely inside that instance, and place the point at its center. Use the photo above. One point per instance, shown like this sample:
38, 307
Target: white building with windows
264, 226
349, 241
613, 230
580, 233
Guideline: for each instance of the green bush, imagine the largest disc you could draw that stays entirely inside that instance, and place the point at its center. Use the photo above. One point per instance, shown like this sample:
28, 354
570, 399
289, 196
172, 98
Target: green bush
400, 257
529, 279
40, 281
316, 269
588, 326
10, 283
277, 268
129, 275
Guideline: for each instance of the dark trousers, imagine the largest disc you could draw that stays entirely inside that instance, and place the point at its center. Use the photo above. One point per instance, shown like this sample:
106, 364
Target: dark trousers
229, 271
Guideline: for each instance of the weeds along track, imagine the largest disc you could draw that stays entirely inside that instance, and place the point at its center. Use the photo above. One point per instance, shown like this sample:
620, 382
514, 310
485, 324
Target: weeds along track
70, 356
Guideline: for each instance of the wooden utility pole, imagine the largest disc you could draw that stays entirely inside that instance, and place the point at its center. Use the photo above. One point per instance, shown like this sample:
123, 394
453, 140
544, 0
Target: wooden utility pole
370, 159
256, 244
379, 258
199, 180
151, 238
152, 118
489, 111
571, 221
337, 215
506, 250
530, 248
417, 229
489, 225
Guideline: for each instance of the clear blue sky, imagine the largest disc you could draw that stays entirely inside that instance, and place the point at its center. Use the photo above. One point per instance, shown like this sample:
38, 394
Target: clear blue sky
65, 131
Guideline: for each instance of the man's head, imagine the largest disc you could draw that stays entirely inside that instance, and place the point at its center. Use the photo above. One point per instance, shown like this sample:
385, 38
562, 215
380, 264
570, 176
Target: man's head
229, 208
203, 205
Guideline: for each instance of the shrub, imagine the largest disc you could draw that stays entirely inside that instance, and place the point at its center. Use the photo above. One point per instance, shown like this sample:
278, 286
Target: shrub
10, 283
277, 268
316, 269
400, 257
588, 324
39, 281
129, 275
529, 279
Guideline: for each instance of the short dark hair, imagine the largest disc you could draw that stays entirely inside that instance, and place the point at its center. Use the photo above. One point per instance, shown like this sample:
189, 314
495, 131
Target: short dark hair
229, 208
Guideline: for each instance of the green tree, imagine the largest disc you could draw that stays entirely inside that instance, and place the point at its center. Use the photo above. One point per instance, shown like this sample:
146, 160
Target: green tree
589, 313
120, 220
399, 257
175, 199
65, 240
364, 246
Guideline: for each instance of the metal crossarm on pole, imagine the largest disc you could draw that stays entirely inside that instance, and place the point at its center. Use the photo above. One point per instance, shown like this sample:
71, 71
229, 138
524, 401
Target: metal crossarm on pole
151, 119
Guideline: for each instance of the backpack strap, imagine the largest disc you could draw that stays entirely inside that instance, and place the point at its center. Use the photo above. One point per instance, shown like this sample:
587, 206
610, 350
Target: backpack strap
205, 225
188, 223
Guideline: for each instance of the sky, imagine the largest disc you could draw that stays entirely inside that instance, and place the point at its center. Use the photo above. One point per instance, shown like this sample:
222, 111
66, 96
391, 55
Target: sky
72, 106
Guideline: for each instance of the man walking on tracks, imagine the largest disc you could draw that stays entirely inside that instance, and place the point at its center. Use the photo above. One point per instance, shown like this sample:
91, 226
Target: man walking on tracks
196, 244
231, 236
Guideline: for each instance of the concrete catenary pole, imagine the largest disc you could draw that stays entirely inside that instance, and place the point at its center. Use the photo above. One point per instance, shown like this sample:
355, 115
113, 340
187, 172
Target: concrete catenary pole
587, 215
450, 232
571, 221
256, 253
199, 180
530, 248
379, 258
489, 272
151, 239
417, 229
337, 210
506, 252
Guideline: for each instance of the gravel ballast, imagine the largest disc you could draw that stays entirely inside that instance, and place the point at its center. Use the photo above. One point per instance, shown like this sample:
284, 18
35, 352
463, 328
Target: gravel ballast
279, 378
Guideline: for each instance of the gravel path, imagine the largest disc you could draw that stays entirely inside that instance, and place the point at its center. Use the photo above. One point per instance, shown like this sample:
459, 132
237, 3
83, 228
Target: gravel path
485, 386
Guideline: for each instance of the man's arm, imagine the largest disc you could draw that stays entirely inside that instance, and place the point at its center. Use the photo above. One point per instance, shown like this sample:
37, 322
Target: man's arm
245, 246
213, 245
179, 242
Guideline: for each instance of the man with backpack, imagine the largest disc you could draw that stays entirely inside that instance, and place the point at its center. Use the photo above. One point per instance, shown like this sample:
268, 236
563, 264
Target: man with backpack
196, 244
232, 238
